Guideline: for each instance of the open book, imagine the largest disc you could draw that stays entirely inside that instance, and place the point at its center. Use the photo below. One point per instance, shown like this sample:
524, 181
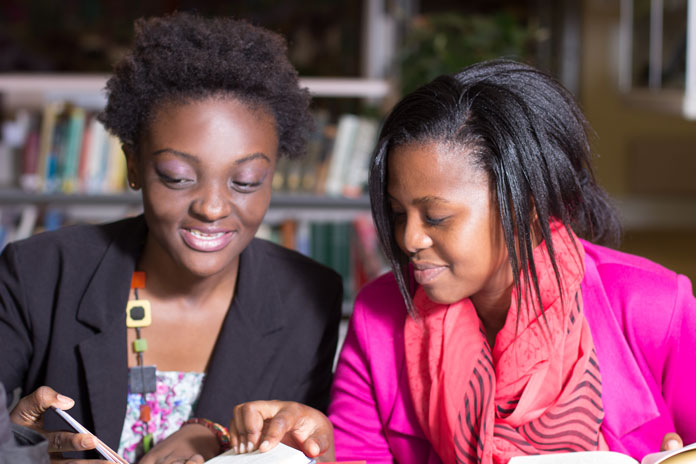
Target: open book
281, 454
683, 455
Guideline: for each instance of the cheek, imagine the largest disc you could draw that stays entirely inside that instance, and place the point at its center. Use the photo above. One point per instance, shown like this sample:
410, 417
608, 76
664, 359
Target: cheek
399, 236
163, 202
252, 208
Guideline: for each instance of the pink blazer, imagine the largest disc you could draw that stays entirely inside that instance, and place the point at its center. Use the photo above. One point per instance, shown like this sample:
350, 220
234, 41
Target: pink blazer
643, 321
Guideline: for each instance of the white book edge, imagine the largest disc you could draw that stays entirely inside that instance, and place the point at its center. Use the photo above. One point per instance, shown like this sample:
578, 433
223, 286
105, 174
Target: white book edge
281, 454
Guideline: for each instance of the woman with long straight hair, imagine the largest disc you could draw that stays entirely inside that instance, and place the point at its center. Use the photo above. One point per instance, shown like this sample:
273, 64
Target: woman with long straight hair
505, 326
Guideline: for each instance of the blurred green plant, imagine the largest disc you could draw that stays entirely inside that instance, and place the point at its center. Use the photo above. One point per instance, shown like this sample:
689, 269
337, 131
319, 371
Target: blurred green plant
444, 43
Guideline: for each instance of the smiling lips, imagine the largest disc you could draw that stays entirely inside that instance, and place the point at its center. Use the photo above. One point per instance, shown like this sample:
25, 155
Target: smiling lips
426, 272
206, 241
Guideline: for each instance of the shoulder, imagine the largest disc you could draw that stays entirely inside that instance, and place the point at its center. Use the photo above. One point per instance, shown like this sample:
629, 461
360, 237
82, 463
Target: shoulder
79, 236
382, 291
74, 244
628, 276
379, 305
646, 299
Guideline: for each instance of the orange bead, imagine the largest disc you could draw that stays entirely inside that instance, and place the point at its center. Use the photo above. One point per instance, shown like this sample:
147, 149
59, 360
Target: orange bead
138, 280
145, 413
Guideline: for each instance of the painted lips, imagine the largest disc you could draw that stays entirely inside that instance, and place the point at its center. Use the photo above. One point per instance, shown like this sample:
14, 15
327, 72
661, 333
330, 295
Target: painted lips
425, 273
206, 241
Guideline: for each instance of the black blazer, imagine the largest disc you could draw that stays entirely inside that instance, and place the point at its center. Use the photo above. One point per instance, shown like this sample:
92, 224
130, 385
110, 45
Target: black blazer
63, 296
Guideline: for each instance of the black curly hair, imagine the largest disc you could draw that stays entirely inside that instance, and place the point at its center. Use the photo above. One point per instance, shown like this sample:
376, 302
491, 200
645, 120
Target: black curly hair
183, 57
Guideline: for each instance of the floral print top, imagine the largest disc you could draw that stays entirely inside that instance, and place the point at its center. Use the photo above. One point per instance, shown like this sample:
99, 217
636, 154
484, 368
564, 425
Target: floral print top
170, 406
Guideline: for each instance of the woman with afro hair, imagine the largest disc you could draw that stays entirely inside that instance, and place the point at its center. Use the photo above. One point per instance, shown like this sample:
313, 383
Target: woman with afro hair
151, 323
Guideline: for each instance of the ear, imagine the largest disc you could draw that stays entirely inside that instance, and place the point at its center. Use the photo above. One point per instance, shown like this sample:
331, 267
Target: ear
131, 166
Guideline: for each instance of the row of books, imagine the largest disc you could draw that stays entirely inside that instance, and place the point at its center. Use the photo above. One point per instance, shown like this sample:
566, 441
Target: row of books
349, 247
337, 159
64, 148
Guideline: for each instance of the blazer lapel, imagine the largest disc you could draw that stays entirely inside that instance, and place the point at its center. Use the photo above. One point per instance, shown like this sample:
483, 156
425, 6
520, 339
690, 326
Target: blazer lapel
622, 379
104, 354
249, 338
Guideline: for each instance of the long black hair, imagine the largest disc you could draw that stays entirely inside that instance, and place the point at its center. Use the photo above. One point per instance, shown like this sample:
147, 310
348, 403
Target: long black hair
527, 132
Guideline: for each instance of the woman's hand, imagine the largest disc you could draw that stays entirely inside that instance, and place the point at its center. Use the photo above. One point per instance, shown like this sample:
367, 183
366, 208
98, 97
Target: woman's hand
263, 424
192, 444
29, 413
671, 441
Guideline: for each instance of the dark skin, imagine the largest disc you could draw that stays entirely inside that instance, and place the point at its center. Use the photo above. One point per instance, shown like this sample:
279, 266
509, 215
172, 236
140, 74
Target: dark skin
446, 221
205, 170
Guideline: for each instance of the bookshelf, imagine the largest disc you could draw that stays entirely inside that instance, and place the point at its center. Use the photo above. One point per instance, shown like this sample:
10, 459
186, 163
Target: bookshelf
294, 219
33, 91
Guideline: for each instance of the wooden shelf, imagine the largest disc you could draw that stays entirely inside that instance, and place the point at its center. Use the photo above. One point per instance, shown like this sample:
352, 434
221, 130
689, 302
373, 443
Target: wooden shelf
283, 205
87, 90
19, 197
657, 213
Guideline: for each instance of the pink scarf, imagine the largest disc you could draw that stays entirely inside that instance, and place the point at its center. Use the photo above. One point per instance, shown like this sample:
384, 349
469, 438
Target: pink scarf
538, 391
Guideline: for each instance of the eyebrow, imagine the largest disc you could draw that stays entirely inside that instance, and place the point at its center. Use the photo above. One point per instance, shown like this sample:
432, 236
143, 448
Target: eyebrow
247, 158
423, 200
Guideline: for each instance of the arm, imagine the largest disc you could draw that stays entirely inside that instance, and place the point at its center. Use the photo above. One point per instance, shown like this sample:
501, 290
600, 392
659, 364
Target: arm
358, 429
15, 326
316, 388
679, 377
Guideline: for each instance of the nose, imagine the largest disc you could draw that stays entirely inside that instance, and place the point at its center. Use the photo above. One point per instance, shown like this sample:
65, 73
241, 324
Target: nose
212, 202
415, 237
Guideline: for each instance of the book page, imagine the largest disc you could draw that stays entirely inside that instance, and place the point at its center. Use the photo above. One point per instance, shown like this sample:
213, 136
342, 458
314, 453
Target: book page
683, 455
281, 454
580, 457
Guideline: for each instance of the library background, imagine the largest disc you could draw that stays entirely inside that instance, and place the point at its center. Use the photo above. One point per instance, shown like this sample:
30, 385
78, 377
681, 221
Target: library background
631, 64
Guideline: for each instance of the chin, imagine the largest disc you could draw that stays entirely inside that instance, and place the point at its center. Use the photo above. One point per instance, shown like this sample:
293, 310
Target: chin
205, 269
443, 297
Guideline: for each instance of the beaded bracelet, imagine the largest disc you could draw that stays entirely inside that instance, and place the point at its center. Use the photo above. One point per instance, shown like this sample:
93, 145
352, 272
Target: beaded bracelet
220, 431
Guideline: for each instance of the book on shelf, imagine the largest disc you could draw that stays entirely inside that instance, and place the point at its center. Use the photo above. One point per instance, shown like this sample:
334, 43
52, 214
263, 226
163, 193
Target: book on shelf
355, 178
65, 149
337, 158
683, 455
346, 133
350, 247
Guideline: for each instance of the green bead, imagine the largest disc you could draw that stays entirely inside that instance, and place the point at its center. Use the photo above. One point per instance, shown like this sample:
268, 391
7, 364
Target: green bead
147, 442
139, 345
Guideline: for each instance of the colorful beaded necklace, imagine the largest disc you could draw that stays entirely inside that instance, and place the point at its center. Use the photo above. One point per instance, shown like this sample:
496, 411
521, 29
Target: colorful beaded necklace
142, 379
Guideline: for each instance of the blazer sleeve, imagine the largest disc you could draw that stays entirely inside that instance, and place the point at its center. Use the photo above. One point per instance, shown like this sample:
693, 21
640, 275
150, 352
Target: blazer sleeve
316, 388
15, 324
358, 429
679, 375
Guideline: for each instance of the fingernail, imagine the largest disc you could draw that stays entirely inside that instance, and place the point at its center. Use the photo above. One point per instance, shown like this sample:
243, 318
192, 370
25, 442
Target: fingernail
250, 447
236, 449
264, 446
314, 448
242, 448
672, 444
64, 399
88, 442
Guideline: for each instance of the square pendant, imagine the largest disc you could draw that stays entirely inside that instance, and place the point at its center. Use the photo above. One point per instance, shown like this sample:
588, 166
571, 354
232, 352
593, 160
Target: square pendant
142, 379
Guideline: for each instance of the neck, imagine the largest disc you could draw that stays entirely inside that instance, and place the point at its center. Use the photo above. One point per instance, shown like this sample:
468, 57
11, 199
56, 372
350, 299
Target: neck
167, 280
492, 309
